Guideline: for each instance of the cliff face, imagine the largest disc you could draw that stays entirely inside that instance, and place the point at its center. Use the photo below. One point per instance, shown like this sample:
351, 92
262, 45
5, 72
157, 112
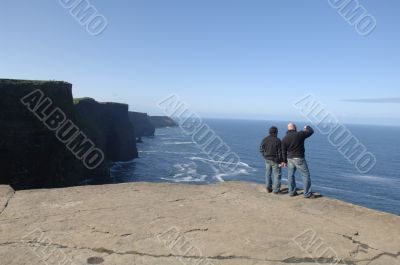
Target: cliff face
162, 121
142, 124
38, 150
108, 126
30, 154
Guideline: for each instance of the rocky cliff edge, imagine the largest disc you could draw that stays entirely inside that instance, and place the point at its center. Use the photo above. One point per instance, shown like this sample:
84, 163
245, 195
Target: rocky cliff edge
168, 224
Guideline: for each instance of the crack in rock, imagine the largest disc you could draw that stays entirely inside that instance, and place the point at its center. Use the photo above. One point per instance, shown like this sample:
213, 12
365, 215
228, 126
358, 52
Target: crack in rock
294, 260
196, 230
177, 200
395, 256
7, 202
361, 247
102, 250
291, 260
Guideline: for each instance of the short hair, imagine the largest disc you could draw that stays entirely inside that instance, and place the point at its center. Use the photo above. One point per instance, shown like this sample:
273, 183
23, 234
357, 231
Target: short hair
273, 130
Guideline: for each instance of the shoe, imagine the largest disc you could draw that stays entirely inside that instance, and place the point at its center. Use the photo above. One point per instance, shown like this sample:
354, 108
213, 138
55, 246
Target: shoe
294, 194
312, 196
269, 190
277, 192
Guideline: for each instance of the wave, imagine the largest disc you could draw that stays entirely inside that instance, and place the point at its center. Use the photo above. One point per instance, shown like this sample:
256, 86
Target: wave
189, 172
186, 172
167, 152
178, 143
219, 162
184, 179
372, 178
221, 176
242, 169
359, 194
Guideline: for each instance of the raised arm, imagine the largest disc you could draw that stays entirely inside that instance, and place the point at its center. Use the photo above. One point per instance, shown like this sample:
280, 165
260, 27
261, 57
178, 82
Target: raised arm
308, 131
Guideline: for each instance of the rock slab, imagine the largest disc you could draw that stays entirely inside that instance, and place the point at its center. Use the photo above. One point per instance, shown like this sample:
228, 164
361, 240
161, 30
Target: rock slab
222, 224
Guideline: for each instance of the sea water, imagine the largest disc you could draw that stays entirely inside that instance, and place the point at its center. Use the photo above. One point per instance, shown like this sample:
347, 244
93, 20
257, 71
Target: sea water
173, 156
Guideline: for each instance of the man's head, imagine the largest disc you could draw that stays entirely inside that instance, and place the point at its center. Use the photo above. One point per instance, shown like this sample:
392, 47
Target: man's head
292, 127
273, 131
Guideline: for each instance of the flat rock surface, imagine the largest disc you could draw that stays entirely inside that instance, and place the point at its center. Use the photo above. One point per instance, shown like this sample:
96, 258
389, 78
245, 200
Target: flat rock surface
169, 224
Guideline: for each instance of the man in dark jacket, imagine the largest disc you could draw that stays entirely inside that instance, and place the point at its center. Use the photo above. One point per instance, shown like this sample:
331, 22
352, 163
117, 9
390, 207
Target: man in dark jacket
271, 149
293, 153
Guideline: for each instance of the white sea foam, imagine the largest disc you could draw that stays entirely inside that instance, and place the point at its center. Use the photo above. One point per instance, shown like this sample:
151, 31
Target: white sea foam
187, 172
243, 169
356, 193
217, 162
240, 172
167, 152
185, 179
178, 143
371, 178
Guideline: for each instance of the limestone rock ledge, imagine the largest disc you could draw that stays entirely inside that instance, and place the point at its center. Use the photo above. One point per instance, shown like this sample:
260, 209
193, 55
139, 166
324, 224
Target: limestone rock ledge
229, 223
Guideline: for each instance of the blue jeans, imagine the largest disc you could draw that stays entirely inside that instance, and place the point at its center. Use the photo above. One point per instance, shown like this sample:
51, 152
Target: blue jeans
301, 165
273, 167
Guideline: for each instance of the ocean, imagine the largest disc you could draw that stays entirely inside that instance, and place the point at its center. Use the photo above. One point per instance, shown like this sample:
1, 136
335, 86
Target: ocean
173, 156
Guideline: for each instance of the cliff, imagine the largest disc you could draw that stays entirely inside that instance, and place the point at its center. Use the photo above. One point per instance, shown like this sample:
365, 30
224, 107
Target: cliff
107, 124
223, 224
142, 124
162, 121
30, 154
47, 141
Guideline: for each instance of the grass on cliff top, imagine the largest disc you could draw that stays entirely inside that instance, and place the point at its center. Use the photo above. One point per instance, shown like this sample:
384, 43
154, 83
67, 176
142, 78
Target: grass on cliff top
77, 100
28, 82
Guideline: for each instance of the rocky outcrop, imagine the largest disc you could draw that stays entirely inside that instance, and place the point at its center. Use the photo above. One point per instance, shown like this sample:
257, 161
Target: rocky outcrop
142, 124
162, 121
37, 150
223, 224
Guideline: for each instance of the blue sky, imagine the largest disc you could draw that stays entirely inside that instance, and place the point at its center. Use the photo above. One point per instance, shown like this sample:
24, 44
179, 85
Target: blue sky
225, 58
